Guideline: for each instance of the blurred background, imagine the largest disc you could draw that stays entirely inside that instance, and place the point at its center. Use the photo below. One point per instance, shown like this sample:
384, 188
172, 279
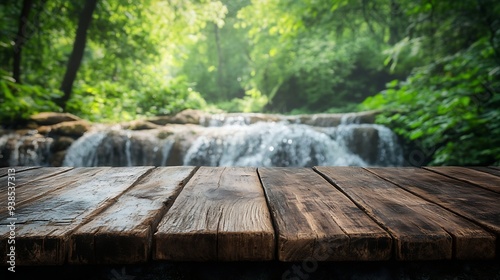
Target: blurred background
431, 68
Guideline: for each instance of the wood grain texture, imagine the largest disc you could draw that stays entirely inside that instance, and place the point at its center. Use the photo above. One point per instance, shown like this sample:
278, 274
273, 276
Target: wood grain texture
316, 221
44, 225
54, 178
19, 169
31, 175
21, 178
221, 214
475, 204
485, 169
421, 230
468, 175
494, 167
123, 233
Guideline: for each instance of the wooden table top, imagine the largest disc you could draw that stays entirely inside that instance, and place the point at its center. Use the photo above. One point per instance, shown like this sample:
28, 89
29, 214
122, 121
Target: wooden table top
124, 215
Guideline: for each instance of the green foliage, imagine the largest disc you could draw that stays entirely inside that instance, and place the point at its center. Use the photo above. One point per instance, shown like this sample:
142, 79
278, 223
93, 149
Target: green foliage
154, 57
253, 101
449, 107
21, 101
323, 54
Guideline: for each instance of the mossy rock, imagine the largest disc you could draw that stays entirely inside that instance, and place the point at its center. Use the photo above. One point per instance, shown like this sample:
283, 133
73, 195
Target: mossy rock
51, 118
72, 128
139, 125
61, 144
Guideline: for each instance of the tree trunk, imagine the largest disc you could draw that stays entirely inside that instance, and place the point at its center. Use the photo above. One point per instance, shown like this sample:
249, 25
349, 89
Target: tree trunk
395, 23
21, 38
76, 56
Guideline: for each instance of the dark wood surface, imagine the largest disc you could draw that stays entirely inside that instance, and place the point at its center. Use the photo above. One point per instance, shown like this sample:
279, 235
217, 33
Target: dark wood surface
121, 215
475, 177
489, 170
316, 221
422, 230
220, 215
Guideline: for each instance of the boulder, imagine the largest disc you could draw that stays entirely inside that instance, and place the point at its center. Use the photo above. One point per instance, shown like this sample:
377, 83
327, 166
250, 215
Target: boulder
61, 144
57, 159
139, 125
188, 117
44, 129
364, 141
161, 120
71, 128
51, 118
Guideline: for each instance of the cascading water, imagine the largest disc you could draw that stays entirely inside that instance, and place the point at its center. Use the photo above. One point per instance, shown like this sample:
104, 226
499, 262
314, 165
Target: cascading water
243, 140
26, 149
268, 144
118, 147
216, 140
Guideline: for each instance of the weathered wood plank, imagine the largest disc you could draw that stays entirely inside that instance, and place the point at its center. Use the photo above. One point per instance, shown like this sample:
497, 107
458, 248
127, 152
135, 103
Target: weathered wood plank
29, 175
476, 204
44, 226
221, 214
488, 170
478, 178
422, 230
55, 178
123, 232
494, 167
316, 221
19, 169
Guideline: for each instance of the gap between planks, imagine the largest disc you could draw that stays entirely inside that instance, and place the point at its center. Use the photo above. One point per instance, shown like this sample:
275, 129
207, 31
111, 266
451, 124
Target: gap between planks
474, 204
106, 239
421, 229
48, 222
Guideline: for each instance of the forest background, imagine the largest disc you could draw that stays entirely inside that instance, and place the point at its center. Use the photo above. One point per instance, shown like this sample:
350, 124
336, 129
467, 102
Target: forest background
431, 66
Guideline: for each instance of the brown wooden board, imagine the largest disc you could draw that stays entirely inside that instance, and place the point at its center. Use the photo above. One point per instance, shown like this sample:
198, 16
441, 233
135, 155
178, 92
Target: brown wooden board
478, 178
221, 214
43, 226
123, 232
315, 221
484, 169
476, 204
422, 230
54, 178
494, 167
18, 169
29, 175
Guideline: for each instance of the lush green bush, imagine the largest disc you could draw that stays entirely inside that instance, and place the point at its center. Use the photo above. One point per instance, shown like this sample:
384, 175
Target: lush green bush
19, 101
449, 107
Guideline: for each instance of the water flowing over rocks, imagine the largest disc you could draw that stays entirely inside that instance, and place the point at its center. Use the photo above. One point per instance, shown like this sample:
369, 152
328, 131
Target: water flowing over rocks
197, 138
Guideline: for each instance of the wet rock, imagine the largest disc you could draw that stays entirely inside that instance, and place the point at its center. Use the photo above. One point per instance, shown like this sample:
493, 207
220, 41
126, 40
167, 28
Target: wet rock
61, 144
57, 158
188, 117
321, 120
364, 141
161, 120
71, 128
368, 116
24, 150
44, 129
51, 118
139, 125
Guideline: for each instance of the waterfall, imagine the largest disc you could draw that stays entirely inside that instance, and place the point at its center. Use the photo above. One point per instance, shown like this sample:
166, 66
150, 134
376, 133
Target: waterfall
217, 140
25, 149
269, 144
117, 147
